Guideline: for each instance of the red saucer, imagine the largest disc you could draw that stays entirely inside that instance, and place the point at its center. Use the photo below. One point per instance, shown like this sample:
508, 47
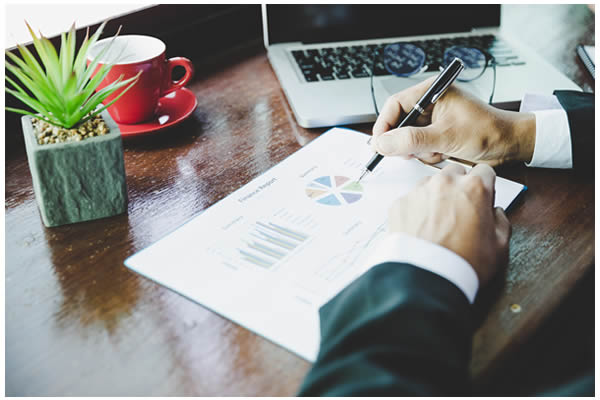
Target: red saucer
172, 109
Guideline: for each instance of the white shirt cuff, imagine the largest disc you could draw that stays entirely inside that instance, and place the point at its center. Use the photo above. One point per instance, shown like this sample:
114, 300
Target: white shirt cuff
399, 247
552, 134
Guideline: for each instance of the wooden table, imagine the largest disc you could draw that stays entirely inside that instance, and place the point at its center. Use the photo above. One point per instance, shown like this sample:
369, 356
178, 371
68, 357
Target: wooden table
79, 323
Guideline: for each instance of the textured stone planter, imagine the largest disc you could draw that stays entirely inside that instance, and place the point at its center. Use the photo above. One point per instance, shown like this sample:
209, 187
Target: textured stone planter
77, 181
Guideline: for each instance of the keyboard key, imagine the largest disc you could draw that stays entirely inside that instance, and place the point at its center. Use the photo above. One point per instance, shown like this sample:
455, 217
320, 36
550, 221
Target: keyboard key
325, 71
359, 74
380, 70
310, 76
298, 54
326, 77
342, 75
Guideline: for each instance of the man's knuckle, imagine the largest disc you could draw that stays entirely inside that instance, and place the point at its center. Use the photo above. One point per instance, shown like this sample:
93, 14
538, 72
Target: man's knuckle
475, 185
487, 167
395, 97
393, 101
416, 137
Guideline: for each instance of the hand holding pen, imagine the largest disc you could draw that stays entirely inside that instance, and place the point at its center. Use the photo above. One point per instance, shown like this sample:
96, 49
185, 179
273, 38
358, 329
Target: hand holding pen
437, 89
459, 126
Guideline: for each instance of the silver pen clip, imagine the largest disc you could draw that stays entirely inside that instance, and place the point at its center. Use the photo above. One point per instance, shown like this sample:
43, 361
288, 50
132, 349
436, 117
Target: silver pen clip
448, 83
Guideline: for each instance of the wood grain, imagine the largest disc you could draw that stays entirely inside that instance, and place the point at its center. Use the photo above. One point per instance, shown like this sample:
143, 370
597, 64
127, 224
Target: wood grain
79, 323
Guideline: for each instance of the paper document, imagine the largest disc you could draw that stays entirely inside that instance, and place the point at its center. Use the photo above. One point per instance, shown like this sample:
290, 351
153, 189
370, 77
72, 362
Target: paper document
271, 253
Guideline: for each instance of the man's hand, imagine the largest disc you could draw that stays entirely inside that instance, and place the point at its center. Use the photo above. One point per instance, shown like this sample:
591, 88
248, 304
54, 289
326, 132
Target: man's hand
456, 210
457, 125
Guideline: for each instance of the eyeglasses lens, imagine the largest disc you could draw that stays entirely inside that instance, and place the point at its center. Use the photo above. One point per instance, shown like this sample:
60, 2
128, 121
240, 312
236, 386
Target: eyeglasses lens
403, 59
473, 59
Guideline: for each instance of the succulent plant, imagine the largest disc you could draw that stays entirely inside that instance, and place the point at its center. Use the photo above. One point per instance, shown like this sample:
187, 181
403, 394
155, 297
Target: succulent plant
63, 93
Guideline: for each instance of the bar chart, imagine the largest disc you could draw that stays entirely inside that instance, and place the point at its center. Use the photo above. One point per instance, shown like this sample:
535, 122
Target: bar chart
269, 243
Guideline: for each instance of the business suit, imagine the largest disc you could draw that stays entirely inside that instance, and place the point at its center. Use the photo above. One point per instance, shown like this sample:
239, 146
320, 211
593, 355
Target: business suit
579, 107
402, 330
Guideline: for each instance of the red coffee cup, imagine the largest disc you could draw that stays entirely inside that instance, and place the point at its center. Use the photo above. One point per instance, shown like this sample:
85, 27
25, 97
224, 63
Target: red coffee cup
135, 53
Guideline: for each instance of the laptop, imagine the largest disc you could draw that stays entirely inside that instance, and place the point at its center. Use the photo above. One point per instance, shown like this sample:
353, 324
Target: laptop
321, 55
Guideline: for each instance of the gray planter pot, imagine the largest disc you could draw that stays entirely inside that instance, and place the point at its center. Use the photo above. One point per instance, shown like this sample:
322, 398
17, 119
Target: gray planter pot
77, 181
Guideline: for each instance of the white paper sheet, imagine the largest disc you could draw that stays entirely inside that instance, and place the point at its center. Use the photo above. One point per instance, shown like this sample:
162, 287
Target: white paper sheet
271, 253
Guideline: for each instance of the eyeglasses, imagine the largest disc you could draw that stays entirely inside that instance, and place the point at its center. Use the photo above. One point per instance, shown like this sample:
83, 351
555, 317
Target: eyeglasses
407, 59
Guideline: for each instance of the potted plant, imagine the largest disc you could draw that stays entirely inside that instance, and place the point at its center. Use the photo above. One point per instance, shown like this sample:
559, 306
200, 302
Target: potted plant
74, 147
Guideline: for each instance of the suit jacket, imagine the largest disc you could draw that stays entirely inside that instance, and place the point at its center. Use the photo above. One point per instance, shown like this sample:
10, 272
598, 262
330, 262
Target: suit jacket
402, 330
580, 111
397, 330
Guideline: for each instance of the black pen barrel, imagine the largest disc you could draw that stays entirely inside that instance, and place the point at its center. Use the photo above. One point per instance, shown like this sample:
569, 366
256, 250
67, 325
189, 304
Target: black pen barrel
374, 161
410, 119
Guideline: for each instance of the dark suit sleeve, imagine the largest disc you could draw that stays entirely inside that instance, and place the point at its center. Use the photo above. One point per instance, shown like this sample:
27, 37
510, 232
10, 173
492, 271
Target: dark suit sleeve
397, 330
580, 111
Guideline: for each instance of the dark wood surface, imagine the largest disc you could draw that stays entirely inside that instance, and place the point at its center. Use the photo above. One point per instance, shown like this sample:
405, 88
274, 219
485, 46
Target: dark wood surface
79, 323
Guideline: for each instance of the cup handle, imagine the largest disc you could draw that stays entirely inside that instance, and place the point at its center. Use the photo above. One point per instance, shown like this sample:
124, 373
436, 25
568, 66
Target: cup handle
189, 73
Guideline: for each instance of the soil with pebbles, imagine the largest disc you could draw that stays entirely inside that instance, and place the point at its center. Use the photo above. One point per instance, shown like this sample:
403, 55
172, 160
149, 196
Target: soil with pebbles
48, 134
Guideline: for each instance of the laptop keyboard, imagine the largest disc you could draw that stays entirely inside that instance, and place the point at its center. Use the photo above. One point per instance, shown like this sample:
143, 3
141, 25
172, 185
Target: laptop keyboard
347, 62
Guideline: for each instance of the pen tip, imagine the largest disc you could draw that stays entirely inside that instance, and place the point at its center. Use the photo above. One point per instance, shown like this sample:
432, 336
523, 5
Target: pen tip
362, 175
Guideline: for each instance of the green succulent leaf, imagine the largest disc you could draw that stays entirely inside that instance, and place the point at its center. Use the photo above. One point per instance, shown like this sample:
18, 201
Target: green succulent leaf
53, 63
62, 89
87, 73
35, 71
106, 92
67, 52
36, 105
25, 112
93, 83
130, 81
47, 60
88, 42
40, 94
70, 86
23, 65
30, 60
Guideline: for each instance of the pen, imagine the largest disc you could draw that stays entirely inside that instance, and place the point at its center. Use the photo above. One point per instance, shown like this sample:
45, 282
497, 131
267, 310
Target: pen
437, 89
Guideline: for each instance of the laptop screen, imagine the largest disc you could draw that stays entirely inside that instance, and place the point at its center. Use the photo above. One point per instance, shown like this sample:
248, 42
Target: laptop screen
320, 23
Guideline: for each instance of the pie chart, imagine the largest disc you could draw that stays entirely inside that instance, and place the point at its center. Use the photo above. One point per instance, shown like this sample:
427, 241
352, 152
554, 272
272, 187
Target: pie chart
334, 190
